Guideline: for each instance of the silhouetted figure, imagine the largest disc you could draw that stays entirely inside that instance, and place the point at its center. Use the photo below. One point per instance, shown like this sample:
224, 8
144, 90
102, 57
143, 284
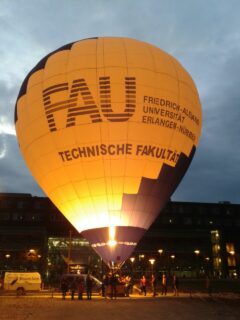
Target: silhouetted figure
113, 283
164, 284
64, 288
175, 285
143, 285
80, 288
105, 283
89, 283
73, 288
154, 285
208, 285
127, 285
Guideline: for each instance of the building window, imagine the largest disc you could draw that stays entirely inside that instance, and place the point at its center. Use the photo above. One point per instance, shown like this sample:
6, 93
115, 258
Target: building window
17, 216
215, 210
230, 248
7, 204
174, 209
32, 216
231, 261
227, 222
198, 221
4, 216
20, 204
216, 248
217, 263
215, 237
187, 220
37, 205
164, 220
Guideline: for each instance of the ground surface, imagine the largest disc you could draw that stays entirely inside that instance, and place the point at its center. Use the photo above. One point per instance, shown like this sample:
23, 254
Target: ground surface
167, 308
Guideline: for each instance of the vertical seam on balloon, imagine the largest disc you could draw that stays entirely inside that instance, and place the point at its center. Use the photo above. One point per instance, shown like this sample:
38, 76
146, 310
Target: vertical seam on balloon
172, 61
108, 185
100, 125
125, 156
93, 205
73, 132
147, 161
132, 211
177, 77
53, 142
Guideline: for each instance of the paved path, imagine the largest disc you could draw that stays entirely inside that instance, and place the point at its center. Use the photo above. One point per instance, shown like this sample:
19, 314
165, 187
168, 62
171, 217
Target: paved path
167, 308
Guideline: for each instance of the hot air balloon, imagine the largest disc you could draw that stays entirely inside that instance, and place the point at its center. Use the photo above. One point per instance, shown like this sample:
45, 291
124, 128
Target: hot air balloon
108, 127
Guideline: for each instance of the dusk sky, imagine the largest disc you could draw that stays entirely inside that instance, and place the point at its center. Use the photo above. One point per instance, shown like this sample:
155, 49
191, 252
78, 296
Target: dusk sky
203, 35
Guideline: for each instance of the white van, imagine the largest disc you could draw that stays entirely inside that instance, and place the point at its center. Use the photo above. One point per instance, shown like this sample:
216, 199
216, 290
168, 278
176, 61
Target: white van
22, 282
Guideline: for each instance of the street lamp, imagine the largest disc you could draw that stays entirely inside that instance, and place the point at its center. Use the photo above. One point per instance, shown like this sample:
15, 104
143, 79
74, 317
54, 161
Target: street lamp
160, 251
197, 252
132, 259
171, 264
152, 261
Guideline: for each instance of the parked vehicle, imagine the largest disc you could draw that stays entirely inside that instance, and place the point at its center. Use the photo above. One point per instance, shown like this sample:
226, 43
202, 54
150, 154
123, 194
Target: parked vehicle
22, 282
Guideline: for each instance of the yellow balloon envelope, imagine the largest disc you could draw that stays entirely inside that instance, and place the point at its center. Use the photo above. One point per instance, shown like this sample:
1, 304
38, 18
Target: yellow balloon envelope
108, 127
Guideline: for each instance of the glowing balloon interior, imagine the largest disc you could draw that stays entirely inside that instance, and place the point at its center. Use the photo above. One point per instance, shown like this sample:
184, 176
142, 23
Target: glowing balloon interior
108, 128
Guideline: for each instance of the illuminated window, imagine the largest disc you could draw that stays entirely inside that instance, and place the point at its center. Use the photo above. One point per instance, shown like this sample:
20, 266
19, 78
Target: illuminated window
231, 261
217, 263
230, 248
215, 236
215, 249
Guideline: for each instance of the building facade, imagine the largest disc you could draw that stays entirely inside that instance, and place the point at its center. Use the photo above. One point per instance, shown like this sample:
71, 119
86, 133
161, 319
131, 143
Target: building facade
191, 239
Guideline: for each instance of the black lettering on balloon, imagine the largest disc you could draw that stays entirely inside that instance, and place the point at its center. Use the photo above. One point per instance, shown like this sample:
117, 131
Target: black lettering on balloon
87, 106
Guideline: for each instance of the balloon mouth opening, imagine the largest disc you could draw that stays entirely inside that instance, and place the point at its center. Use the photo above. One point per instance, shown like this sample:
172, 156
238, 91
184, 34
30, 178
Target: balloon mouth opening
112, 243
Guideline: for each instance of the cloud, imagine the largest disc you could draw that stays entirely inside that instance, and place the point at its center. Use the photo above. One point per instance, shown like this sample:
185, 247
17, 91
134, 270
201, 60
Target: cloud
14, 175
215, 172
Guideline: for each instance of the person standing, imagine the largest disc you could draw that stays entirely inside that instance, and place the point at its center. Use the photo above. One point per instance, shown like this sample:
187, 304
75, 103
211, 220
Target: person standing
113, 284
105, 283
80, 288
164, 284
154, 285
89, 283
73, 288
143, 285
175, 285
64, 288
127, 281
208, 286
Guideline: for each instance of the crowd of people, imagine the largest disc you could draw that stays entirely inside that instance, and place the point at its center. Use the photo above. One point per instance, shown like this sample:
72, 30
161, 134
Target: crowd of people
163, 285
114, 284
77, 285
110, 283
